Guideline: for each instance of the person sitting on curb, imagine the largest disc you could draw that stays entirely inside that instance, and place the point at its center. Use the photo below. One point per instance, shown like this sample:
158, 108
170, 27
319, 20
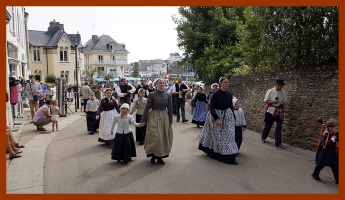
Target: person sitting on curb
10, 144
42, 116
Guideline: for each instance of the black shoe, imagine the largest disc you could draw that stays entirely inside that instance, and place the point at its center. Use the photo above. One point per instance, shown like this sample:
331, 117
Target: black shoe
92, 132
177, 120
153, 159
198, 126
316, 177
141, 143
281, 146
160, 161
185, 120
263, 141
234, 163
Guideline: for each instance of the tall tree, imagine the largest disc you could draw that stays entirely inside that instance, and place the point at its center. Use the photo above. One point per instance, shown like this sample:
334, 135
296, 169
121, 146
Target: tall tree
135, 70
207, 35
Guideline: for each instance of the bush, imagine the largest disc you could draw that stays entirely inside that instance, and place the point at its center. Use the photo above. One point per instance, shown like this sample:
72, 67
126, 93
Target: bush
51, 78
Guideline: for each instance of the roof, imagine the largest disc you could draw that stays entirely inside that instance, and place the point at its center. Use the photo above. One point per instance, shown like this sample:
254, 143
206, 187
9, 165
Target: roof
49, 38
102, 45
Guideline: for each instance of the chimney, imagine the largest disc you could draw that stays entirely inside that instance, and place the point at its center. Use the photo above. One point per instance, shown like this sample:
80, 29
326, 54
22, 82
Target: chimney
94, 38
54, 23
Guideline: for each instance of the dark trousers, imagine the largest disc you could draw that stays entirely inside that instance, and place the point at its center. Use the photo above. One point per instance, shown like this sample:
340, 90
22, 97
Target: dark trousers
91, 121
334, 167
140, 132
85, 102
238, 136
125, 100
269, 122
173, 103
180, 104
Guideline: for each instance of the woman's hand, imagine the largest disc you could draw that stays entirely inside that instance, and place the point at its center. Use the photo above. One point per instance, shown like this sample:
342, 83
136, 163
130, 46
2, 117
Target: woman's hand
142, 124
218, 122
97, 117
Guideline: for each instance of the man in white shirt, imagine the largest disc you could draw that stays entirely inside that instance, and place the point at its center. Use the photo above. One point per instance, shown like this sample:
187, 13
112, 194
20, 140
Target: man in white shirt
275, 99
124, 91
33, 88
179, 90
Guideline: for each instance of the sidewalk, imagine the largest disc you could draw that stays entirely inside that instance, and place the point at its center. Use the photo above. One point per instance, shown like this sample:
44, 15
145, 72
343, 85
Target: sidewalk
25, 174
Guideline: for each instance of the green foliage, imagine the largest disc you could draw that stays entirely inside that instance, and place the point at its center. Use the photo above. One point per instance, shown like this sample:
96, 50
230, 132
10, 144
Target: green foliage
50, 78
135, 70
97, 92
108, 77
90, 73
217, 40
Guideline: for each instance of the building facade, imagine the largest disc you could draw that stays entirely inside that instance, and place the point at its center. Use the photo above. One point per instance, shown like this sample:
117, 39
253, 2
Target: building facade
17, 62
105, 54
55, 52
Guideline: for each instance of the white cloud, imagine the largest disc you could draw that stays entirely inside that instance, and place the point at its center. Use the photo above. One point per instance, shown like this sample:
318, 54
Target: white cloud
148, 32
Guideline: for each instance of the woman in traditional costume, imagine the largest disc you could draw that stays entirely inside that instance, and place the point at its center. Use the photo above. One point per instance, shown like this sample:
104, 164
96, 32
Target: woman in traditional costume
217, 138
158, 115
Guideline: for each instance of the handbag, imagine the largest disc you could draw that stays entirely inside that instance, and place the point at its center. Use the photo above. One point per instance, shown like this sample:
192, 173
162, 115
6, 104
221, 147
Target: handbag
35, 96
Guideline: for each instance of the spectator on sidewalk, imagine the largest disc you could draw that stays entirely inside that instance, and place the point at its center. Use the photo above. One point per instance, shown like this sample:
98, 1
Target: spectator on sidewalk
32, 88
42, 116
11, 145
49, 92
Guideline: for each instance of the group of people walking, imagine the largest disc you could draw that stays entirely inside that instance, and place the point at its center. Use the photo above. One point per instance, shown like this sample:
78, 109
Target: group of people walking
219, 113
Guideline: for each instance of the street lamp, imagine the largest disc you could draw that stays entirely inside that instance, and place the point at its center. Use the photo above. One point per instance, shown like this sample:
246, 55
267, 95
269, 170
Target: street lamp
167, 62
76, 71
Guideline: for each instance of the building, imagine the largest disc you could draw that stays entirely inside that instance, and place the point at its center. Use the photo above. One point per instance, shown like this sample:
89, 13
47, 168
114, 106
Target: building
17, 51
105, 54
174, 57
54, 52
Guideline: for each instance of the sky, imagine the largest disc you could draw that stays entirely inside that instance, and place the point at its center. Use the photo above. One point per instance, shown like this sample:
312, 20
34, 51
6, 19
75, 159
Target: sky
147, 31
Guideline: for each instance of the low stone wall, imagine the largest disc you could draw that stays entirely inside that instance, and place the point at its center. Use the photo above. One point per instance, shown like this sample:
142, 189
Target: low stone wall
312, 92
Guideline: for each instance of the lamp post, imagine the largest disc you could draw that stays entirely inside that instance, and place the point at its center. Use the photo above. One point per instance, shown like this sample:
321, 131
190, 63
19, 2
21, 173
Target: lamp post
167, 62
76, 72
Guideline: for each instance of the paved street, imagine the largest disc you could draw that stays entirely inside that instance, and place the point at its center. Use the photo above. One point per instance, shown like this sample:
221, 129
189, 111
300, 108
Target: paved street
72, 161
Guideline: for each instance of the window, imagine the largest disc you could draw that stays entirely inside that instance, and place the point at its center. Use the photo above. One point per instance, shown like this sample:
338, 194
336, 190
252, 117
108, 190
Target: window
100, 59
37, 55
101, 69
63, 54
112, 60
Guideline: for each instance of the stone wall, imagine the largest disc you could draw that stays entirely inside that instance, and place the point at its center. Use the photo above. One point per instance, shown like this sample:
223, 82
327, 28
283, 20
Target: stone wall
312, 92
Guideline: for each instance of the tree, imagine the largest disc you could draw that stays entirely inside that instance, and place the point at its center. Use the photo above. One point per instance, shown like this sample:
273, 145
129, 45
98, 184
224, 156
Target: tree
90, 73
50, 78
135, 70
207, 35
289, 37
108, 77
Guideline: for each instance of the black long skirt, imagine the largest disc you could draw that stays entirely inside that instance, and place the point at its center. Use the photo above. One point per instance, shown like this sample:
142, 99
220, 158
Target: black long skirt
140, 132
123, 147
91, 121
230, 159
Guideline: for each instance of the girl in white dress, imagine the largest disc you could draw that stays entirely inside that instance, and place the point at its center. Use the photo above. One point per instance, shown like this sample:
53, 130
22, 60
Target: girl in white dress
55, 112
